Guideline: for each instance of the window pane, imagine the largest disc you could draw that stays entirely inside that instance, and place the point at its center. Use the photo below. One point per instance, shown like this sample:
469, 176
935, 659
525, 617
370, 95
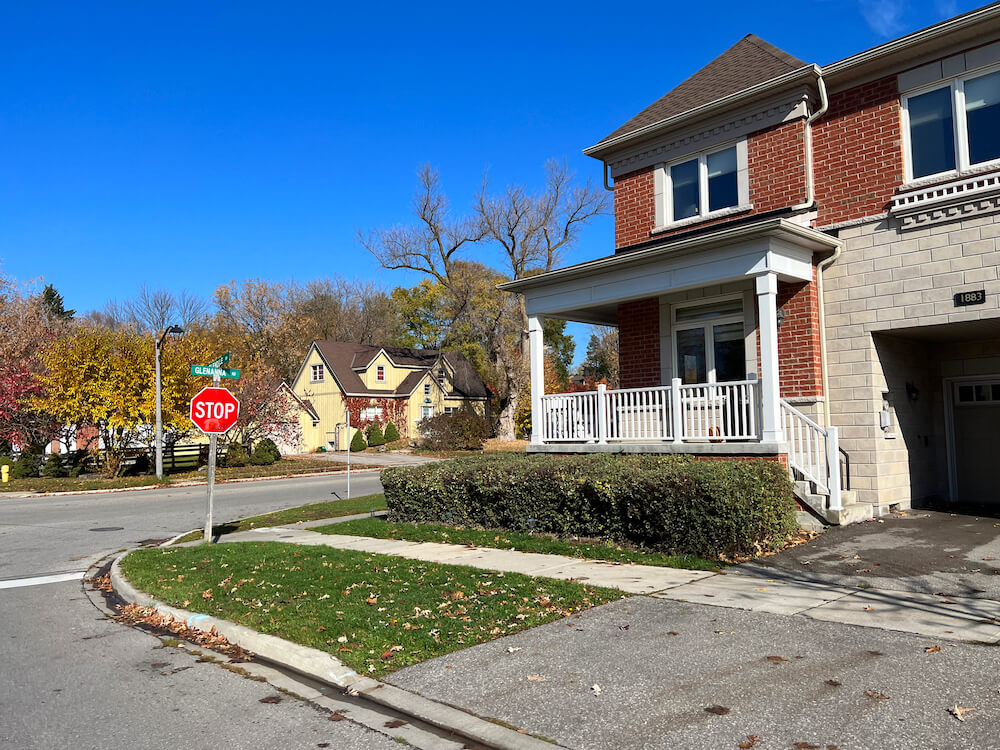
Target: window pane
723, 190
965, 393
710, 310
982, 108
730, 356
684, 182
932, 136
691, 366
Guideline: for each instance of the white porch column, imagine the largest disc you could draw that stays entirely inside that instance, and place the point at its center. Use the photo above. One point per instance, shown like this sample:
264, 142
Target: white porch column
536, 355
770, 394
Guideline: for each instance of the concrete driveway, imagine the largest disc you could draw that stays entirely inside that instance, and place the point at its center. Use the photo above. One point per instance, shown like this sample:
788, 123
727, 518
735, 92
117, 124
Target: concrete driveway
923, 551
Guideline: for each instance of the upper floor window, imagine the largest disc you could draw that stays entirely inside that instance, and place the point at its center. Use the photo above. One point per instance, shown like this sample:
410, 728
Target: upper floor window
441, 376
427, 389
705, 184
954, 126
317, 374
380, 373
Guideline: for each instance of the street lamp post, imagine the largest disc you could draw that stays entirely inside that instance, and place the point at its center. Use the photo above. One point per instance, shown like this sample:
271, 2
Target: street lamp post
158, 437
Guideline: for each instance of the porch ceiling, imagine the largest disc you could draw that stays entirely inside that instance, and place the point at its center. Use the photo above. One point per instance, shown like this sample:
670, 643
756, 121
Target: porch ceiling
590, 292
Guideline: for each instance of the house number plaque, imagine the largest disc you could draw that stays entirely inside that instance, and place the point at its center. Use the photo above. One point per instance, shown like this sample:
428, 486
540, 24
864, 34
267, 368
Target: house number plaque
977, 297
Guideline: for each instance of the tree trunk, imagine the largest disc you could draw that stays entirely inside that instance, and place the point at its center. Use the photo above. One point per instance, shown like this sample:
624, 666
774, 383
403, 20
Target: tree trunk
507, 424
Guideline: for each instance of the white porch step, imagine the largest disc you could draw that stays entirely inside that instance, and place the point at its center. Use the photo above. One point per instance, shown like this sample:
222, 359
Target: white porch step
851, 513
818, 502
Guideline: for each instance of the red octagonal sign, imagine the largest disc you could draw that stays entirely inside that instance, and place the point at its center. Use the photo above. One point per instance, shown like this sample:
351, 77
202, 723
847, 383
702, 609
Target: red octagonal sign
214, 410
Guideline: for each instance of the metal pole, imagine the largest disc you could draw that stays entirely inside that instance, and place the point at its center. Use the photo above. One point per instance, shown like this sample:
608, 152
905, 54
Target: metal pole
213, 442
158, 437
349, 441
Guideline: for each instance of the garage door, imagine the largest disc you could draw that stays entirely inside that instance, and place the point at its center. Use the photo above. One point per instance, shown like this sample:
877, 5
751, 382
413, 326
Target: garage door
977, 441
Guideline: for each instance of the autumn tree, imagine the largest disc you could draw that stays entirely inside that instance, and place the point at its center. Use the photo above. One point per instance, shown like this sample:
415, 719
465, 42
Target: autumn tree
105, 378
531, 231
602, 356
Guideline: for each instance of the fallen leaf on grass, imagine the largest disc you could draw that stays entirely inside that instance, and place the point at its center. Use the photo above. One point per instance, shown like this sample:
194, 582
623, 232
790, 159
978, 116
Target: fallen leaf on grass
876, 695
717, 710
389, 653
342, 639
751, 741
959, 712
932, 649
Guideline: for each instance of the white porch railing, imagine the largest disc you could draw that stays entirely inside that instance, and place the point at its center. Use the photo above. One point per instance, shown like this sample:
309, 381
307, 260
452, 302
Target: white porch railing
713, 412
813, 451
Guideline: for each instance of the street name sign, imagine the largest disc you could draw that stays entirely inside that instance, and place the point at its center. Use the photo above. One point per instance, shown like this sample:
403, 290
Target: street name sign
221, 361
214, 410
215, 372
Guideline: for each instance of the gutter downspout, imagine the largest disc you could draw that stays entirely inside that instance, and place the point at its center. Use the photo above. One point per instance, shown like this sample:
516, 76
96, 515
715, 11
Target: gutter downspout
607, 185
809, 202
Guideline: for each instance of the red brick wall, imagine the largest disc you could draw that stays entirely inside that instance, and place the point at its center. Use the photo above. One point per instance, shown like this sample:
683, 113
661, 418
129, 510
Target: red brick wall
639, 343
776, 176
857, 148
799, 361
635, 209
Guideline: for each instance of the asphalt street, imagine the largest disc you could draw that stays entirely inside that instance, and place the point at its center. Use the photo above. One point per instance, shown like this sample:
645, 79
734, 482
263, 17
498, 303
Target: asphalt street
73, 678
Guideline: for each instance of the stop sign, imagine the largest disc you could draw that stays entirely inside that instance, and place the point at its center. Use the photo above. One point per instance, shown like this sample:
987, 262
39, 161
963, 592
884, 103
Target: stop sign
214, 410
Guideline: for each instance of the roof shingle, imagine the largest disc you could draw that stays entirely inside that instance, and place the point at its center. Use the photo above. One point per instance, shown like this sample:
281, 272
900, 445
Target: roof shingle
748, 62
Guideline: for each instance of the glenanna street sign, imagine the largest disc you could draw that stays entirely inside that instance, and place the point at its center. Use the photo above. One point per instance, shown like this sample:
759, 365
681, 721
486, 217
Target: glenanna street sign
212, 372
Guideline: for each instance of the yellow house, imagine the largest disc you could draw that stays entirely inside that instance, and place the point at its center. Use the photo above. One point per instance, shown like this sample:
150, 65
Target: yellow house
379, 384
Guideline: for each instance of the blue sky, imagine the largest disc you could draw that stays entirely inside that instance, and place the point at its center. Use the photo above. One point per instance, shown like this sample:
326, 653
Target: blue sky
183, 145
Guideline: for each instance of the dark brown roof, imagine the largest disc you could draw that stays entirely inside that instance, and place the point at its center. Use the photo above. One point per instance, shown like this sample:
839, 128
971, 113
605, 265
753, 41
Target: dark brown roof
342, 358
748, 62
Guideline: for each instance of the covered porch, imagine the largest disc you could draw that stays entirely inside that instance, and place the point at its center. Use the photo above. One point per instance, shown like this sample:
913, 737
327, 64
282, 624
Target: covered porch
702, 368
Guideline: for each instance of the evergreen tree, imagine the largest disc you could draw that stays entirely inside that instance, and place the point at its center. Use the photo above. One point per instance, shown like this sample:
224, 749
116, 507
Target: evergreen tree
53, 305
358, 442
391, 433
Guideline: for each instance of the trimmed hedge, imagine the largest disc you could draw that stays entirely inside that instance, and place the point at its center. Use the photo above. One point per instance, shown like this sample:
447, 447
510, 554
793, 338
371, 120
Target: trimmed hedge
673, 504
460, 431
375, 436
391, 433
358, 442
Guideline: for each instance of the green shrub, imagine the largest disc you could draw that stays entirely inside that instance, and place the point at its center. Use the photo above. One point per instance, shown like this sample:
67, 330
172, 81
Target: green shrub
236, 456
391, 433
54, 467
358, 442
460, 431
262, 455
269, 446
672, 504
25, 467
375, 436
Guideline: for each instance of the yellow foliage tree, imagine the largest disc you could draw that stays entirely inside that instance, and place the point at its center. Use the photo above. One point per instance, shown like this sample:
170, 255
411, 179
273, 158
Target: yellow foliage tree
106, 379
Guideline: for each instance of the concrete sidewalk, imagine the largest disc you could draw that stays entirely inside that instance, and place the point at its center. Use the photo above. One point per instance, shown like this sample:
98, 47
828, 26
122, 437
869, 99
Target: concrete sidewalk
952, 618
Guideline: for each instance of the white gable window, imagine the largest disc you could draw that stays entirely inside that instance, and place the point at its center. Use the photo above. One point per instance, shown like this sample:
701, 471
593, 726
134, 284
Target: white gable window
380, 373
713, 183
953, 126
317, 374
441, 376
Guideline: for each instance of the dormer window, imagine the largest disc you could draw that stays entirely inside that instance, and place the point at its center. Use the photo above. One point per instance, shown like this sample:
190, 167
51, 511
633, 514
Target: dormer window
380, 374
704, 185
317, 374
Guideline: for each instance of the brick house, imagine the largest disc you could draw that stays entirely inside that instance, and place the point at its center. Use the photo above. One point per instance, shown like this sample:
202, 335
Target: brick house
805, 269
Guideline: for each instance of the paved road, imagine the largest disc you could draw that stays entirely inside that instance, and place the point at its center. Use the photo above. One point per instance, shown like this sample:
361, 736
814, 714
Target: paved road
72, 678
45, 535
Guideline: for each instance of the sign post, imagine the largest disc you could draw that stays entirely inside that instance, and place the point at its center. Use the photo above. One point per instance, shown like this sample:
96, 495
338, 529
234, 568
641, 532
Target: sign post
349, 441
214, 411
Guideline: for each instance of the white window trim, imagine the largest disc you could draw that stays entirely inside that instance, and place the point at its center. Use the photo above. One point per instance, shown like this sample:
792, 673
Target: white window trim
379, 373
707, 324
959, 127
663, 188
312, 373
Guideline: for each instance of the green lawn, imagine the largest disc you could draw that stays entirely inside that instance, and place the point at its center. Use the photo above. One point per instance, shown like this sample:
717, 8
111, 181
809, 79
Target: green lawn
314, 512
78, 484
375, 613
543, 543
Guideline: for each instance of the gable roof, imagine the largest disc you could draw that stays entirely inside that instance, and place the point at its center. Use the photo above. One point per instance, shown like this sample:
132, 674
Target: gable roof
342, 359
748, 62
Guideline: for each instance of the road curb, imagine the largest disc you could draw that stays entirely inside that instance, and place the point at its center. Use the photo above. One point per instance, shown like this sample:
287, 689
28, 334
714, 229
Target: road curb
319, 665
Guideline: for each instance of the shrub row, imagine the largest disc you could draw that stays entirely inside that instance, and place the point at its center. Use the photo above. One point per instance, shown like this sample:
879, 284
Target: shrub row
673, 504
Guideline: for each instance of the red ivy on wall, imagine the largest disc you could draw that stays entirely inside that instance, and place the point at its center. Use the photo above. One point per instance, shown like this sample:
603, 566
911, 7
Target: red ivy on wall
393, 410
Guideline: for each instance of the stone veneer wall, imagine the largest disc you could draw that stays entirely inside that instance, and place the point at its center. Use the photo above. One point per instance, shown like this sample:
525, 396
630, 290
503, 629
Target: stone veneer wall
887, 281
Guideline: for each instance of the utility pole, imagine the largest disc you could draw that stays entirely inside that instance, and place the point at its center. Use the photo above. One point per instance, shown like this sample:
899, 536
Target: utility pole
158, 436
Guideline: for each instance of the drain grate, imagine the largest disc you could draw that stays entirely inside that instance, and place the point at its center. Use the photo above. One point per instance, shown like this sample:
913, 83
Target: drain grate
109, 528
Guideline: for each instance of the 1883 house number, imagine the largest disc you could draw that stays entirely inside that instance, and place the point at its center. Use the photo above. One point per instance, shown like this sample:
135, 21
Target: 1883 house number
977, 297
